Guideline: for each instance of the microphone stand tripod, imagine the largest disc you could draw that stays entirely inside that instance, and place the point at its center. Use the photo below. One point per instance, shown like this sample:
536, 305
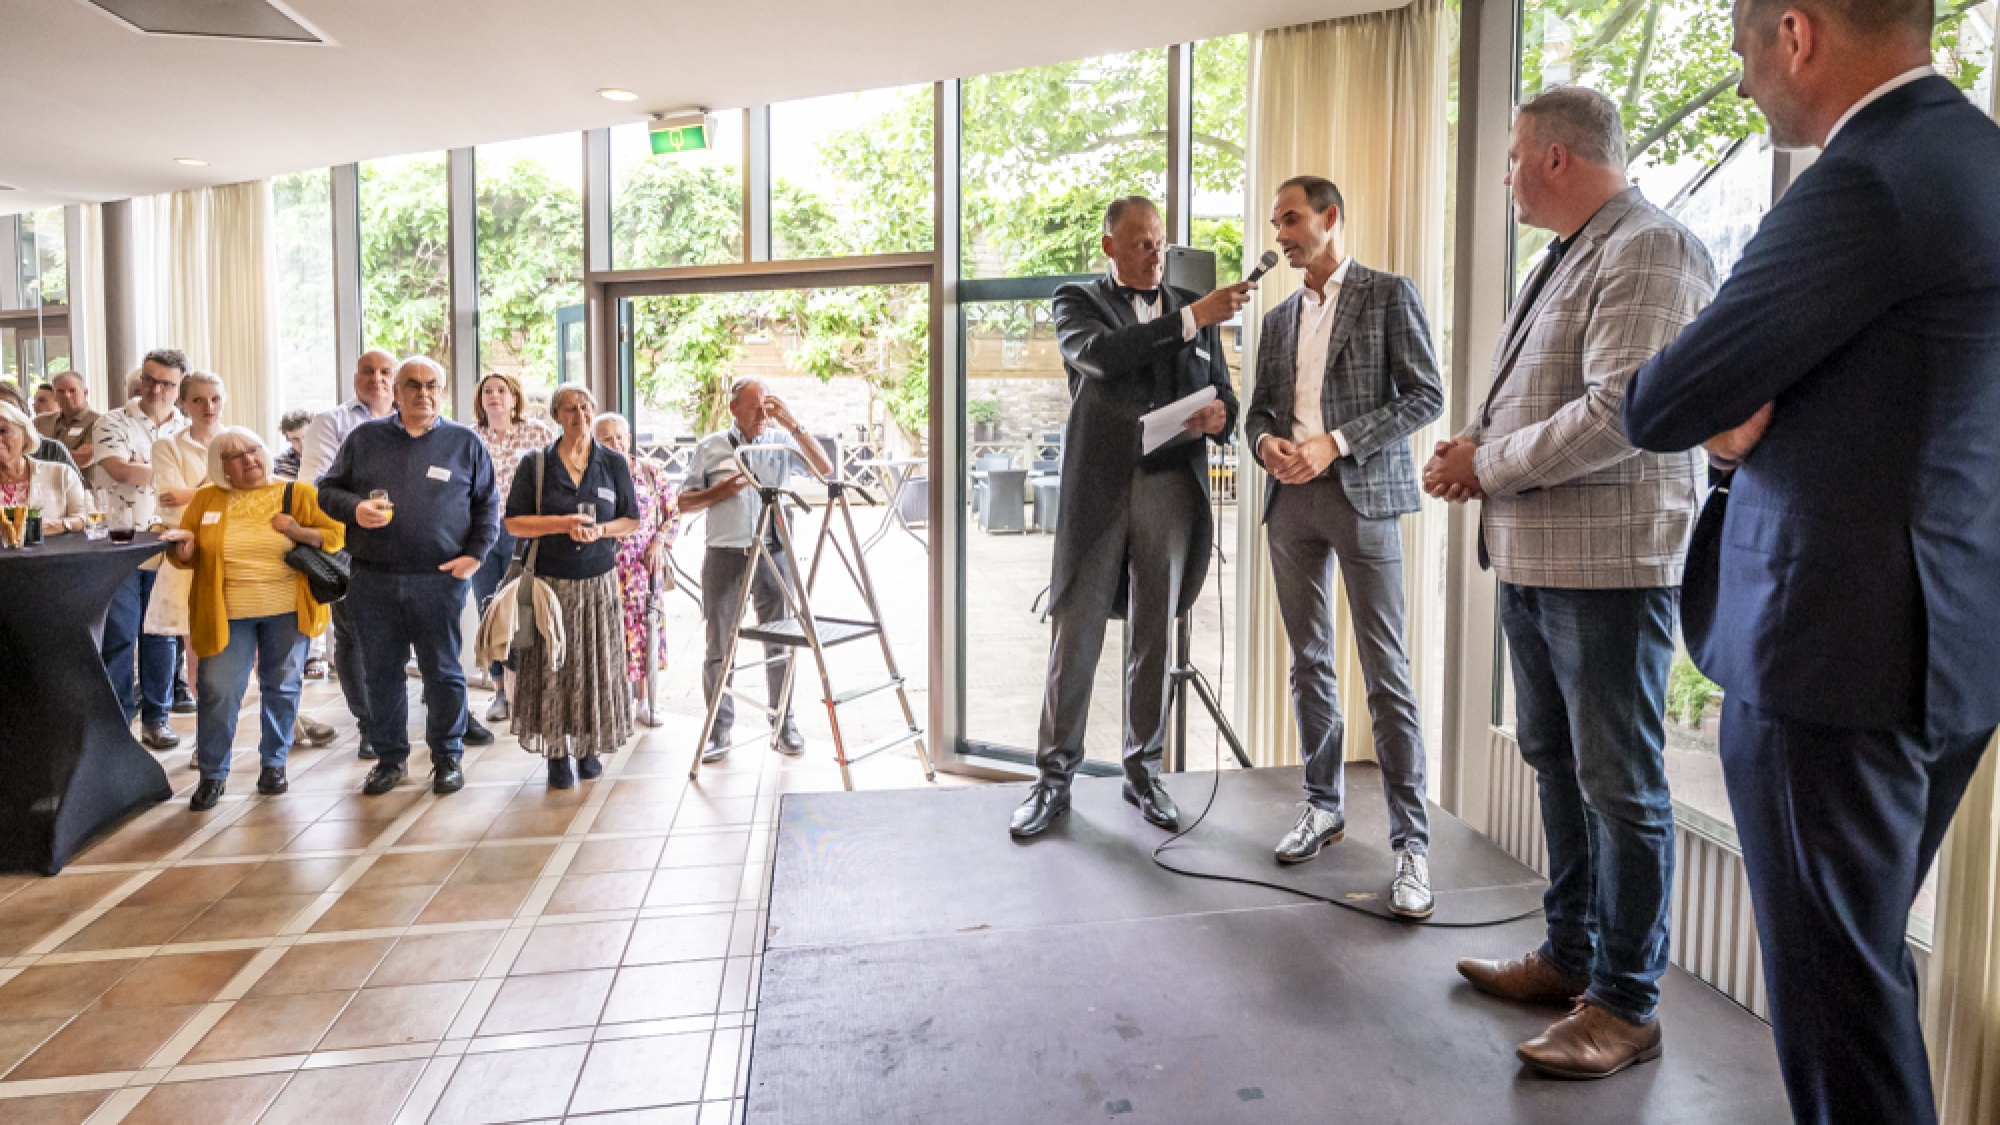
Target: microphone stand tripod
1183, 674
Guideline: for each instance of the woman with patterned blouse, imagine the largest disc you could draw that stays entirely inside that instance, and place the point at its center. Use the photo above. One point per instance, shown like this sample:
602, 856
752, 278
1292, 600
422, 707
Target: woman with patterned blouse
641, 556
507, 433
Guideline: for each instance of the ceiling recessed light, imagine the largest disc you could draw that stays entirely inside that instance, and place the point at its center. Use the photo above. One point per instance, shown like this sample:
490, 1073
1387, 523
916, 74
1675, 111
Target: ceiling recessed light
614, 94
191, 162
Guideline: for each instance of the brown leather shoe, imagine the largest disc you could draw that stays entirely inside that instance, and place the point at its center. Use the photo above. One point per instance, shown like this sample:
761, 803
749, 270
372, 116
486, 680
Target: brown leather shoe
1530, 980
1591, 1043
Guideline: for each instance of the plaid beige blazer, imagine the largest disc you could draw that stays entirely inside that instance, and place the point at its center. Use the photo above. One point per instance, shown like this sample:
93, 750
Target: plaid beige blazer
1570, 503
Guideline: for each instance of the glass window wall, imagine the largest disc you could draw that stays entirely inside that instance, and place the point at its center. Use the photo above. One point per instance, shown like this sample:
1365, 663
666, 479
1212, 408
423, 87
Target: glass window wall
530, 254
405, 256
677, 209
308, 372
851, 174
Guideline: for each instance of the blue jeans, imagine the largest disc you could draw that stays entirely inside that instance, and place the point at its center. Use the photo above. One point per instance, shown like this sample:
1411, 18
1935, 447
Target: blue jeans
1590, 688
124, 619
277, 649
486, 580
392, 614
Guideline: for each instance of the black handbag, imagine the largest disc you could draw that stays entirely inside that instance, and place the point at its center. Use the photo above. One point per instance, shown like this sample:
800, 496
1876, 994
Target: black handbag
326, 572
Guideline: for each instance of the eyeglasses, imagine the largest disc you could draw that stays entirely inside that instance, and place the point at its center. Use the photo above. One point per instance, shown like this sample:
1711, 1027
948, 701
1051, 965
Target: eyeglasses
149, 381
426, 388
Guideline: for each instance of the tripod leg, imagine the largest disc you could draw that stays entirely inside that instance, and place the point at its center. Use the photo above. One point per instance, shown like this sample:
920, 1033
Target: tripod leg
728, 675
1215, 712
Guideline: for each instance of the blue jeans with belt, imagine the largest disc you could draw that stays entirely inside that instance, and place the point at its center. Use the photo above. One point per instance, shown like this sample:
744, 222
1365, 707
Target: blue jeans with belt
392, 614
1590, 688
276, 648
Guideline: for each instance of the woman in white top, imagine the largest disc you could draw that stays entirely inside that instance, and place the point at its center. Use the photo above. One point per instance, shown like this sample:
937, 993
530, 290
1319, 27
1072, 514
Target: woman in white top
50, 486
180, 463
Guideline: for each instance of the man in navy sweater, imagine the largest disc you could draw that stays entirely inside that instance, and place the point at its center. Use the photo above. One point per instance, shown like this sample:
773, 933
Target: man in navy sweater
1849, 371
422, 507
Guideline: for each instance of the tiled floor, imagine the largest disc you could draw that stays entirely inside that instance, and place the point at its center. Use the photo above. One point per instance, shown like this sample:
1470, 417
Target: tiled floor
505, 954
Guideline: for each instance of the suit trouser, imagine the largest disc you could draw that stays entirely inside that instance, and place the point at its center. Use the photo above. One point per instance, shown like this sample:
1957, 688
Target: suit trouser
1151, 554
1839, 828
347, 666
1309, 527
394, 613
722, 607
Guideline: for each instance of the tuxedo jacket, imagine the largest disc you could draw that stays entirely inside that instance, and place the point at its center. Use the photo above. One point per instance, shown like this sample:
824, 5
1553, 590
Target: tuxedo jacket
1119, 369
1858, 570
1381, 385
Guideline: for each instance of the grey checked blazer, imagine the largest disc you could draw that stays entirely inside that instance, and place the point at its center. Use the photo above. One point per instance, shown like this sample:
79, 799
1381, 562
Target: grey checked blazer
1569, 502
1381, 386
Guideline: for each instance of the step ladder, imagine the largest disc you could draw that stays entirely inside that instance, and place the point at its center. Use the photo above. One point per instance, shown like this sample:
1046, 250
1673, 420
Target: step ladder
801, 628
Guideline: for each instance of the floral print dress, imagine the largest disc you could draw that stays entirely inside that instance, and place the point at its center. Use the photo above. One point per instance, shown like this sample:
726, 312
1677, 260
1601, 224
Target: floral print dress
658, 519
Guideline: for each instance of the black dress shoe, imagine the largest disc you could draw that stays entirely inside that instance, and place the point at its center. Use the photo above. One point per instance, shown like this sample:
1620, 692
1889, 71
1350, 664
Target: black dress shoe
790, 741
184, 703
367, 751
271, 781
476, 735
207, 794
1044, 804
590, 768
381, 779
1153, 802
447, 777
160, 736
717, 748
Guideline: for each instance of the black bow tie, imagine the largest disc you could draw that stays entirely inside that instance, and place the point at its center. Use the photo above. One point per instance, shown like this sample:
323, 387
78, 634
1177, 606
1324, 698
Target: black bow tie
1150, 296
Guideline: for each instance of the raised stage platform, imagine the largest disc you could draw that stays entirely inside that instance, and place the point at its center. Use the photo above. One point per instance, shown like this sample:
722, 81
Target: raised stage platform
920, 966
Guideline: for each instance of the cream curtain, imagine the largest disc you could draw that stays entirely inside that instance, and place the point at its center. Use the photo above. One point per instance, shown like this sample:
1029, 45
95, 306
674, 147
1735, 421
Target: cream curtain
1361, 101
207, 290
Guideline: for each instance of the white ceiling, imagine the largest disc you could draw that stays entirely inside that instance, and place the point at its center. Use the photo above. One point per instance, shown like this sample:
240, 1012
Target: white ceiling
91, 110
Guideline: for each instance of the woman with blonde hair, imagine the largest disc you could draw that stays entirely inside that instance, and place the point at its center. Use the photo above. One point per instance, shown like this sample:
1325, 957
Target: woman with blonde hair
248, 607
507, 433
585, 505
51, 486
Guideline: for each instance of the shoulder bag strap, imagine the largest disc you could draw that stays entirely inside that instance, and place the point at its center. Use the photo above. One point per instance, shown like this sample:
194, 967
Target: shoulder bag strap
535, 546
287, 502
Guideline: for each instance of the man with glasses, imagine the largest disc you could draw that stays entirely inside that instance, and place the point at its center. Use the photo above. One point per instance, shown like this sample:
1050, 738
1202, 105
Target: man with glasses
422, 506
73, 419
122, 442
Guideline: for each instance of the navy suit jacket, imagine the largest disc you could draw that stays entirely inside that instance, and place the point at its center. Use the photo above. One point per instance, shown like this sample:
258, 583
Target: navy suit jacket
1858, 569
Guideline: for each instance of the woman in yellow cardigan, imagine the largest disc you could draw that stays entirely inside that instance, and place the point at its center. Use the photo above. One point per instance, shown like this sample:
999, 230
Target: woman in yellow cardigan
247, 605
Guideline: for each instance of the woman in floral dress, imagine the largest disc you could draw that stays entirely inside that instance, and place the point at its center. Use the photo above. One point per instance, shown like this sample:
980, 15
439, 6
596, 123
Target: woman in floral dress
641, 555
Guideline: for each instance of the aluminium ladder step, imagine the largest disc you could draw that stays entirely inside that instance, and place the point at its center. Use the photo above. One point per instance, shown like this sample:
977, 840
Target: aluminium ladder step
889, 743
853, 694
832, 631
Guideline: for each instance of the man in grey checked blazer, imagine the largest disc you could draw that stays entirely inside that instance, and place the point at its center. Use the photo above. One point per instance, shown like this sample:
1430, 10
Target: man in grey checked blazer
1587, 534
1345, 374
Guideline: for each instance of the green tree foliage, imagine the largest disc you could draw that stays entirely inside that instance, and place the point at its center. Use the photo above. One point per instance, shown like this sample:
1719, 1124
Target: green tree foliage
530, 262
405, 260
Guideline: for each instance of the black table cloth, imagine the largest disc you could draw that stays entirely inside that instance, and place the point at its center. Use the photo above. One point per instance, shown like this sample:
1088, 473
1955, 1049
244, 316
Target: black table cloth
69, 766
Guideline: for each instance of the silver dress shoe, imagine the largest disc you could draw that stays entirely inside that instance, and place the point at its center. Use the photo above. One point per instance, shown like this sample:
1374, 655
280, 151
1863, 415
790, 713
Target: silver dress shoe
1316, 826
1410, 894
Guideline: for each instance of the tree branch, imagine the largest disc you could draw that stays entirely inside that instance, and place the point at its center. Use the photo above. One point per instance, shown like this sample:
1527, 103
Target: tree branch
1672, 121
1644, 61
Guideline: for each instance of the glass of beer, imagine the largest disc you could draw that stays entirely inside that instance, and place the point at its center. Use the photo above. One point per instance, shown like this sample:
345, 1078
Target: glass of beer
381, 496
94, 527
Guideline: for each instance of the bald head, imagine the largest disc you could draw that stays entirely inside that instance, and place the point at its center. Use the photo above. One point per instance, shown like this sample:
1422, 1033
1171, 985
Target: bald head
375, 381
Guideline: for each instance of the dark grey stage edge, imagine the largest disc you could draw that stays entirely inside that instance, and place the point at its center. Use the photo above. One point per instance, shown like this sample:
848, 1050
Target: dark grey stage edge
920, 966
69, 766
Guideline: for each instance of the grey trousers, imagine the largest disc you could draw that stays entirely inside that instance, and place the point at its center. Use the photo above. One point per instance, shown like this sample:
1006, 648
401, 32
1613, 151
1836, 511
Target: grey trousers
1309, 526
1152, 553
722, 607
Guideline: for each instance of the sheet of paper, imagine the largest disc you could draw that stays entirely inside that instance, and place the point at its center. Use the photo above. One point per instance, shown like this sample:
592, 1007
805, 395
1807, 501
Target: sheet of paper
1165, 424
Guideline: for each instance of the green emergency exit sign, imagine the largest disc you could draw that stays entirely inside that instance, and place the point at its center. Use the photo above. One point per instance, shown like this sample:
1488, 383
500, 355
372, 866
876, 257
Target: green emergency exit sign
680, 138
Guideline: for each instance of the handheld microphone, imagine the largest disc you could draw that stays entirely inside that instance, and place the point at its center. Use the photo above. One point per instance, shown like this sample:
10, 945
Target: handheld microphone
1264, 265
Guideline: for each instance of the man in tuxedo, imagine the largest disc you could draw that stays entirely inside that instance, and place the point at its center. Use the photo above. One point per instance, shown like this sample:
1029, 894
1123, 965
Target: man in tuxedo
1133, 533
1345, 374
1850, 372
1586, 534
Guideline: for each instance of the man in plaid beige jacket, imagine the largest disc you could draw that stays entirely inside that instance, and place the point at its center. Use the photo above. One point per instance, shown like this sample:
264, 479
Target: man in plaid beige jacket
1587, 535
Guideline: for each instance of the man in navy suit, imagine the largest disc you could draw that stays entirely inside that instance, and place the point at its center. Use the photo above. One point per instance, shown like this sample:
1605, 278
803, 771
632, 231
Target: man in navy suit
1850, 372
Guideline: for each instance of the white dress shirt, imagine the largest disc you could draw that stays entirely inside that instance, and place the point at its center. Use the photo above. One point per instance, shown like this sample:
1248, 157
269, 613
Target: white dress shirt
324, 436
1916, 74
1316, 316
1146, 310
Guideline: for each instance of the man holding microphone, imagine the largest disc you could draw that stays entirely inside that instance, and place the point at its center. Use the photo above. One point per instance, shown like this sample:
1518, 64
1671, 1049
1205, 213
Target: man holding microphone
1133, 532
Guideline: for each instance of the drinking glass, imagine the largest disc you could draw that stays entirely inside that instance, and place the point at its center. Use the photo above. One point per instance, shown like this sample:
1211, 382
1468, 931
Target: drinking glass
123, 525
381, 496
94, 527
588, 512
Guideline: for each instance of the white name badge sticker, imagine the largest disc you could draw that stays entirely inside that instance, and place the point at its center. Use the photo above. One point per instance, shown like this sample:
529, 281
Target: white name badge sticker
76, 431
608, 496
1201, 353
210, 517
439, 472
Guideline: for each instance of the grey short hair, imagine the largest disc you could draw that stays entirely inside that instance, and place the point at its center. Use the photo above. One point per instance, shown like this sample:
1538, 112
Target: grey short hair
71, 374
422, 361
1118, 207
610, 418
737, 388
564, 391
1581, 120
233, 439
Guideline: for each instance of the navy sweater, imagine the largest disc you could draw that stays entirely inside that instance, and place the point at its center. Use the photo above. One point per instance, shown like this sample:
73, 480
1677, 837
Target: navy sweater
442, 485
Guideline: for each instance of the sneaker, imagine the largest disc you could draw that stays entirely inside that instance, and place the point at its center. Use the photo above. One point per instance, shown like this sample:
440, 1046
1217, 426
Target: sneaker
381, 779
1410, 894
646, 715
312, 734
561, 776
160, 736
497, 711
315, 669
1316, 827
476, 735
183, 700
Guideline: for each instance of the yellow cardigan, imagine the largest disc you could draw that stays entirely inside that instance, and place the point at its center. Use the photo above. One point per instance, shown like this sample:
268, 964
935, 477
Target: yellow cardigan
208, 613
